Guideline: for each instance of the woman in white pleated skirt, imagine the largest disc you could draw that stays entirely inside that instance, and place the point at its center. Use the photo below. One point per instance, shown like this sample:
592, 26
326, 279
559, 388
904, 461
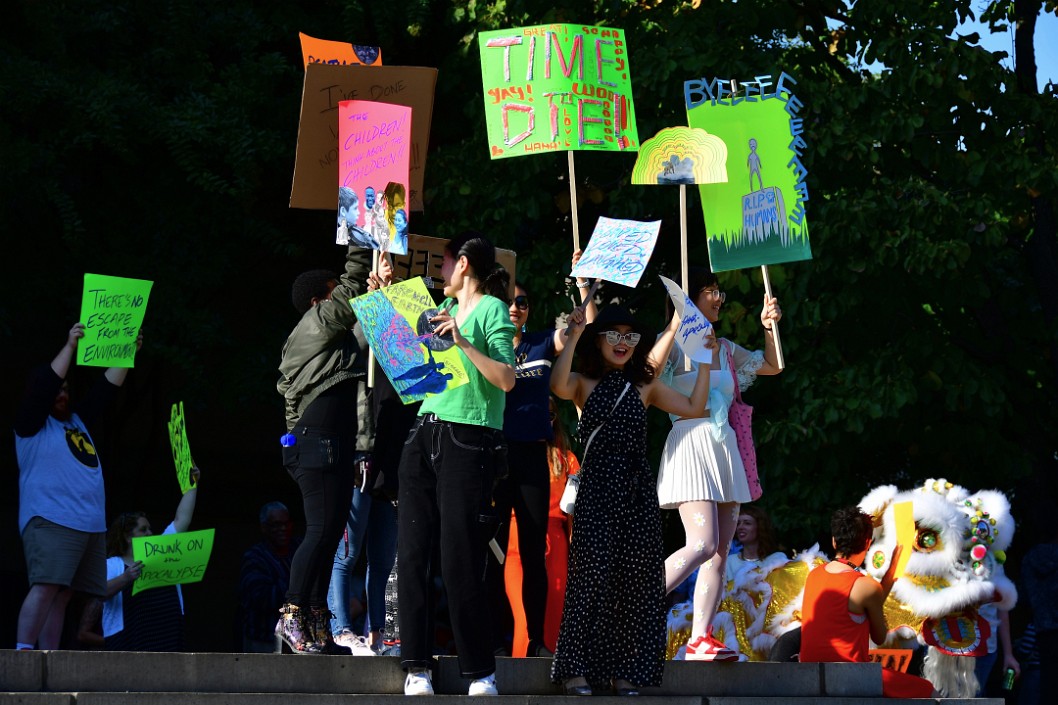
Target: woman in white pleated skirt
701, 473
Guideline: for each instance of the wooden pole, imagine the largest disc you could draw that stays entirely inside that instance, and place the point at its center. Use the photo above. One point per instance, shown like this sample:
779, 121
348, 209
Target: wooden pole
684, 258
573, 201
370, 352
775, 324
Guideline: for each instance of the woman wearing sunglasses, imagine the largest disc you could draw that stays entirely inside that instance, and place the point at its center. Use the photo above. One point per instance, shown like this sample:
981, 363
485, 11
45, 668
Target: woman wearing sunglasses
526, 490
613, 622
701, 471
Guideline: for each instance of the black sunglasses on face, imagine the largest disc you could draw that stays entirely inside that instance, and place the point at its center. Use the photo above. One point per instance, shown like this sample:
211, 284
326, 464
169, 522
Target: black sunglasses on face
521, 302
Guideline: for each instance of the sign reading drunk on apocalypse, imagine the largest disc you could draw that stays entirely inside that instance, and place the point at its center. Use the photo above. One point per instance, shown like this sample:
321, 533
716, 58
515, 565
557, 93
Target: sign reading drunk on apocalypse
557, 87
171, 559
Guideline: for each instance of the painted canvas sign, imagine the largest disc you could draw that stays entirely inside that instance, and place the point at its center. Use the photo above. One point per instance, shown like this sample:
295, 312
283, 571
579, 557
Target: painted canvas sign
681, 155
326, 51
316, 161
396, 321
181, 448
618, 251
758, 216
557, 87
171, 559
374, 142
694, 326
112, 310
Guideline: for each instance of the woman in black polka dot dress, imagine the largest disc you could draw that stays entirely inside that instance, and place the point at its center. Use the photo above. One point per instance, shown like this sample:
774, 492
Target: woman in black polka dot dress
613, 622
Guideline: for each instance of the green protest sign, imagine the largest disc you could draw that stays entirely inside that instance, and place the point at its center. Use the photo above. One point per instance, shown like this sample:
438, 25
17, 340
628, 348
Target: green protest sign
757, 216
171, 559
181, 448
557, 87
112, 310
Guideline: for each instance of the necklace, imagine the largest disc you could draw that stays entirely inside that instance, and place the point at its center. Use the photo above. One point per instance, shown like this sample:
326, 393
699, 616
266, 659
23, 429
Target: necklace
848, 563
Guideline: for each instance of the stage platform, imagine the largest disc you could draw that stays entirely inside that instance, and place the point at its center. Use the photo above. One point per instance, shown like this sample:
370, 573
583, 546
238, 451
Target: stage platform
120, 678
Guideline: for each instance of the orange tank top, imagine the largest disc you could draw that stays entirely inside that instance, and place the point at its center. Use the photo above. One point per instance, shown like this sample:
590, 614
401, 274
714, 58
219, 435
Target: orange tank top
829, 633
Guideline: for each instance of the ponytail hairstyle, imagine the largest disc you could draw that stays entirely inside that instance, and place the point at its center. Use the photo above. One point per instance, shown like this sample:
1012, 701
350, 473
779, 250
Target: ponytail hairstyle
481, 255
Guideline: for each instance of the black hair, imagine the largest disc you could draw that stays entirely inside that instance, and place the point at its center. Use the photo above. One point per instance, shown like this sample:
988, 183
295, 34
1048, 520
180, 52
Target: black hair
118, 532
767, 544
698, 278
481, 256
851, 529
313, 284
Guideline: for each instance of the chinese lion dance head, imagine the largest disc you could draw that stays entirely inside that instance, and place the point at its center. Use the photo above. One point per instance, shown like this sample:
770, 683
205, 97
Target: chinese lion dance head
955, 567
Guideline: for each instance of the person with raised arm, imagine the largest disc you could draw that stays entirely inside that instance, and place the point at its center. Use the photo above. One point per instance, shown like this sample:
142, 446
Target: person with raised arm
61, 511
613, 620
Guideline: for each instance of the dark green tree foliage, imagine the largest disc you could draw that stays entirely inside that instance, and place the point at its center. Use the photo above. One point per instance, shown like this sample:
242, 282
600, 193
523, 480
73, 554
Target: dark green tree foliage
157, 141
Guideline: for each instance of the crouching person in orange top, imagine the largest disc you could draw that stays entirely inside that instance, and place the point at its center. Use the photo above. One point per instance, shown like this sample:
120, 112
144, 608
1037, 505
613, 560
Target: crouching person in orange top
842, 607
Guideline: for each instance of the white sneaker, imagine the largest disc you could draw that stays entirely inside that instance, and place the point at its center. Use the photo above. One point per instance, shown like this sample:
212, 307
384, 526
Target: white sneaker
418, 683
357, 645
484, 686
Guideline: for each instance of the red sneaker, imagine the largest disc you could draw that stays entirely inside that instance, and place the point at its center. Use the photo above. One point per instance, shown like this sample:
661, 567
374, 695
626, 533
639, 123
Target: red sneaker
706, 648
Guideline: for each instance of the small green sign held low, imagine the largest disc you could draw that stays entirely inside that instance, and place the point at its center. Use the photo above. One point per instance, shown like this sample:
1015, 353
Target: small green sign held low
171, 559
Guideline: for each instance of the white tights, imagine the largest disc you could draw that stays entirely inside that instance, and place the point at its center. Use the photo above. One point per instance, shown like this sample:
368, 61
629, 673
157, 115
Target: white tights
709, 528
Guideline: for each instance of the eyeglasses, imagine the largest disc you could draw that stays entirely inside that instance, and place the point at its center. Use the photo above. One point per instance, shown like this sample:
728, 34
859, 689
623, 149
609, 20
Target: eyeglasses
614, 338
521, 302
715, 293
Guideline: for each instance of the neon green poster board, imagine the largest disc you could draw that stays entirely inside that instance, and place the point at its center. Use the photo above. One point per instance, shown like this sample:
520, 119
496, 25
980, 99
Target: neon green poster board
181, 448
758, 216
557, 87
112, 310
171, 559
396, 321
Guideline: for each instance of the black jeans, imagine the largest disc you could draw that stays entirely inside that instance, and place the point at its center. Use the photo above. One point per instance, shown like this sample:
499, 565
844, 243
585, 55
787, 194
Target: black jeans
322, 463
446, 477
526, 490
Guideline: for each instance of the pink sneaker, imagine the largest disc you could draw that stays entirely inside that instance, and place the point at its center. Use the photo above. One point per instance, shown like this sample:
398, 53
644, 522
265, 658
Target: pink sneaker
706, 648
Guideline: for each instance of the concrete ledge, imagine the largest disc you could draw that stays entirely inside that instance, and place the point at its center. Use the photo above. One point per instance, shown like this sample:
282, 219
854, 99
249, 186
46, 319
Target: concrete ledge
86, 671
855, 701
740, 679
852, 679
36, 699
21, 670
317, 699
523, 676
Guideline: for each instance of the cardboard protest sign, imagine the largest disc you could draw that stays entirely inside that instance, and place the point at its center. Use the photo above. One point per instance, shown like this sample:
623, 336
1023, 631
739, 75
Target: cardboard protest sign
694, 326
425, 255
374, 144
171, 559
181, 448
325, 51
557, 87
396, 321
618, 251
112, 310
681, 155
758, 216
316, 163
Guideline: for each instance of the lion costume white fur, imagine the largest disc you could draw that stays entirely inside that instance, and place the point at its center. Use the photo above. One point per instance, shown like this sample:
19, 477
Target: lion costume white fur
955, 566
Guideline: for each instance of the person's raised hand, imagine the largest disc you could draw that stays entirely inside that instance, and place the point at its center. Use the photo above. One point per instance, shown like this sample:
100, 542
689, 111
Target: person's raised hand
771, 313
575, 321
445, 324
75, 334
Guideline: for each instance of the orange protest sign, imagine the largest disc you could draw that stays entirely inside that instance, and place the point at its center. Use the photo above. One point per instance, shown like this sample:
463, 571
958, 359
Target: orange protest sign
315, 182
893, 659
325, 51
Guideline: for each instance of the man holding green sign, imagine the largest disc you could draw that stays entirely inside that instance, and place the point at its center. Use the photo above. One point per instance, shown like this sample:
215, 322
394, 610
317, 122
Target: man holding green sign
61, 498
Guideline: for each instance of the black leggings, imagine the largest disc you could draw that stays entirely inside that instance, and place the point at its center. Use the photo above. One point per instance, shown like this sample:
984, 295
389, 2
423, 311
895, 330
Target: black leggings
322, 463
526, 490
